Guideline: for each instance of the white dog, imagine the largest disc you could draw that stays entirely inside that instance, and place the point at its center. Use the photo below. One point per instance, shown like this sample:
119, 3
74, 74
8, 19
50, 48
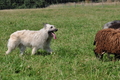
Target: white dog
34, 39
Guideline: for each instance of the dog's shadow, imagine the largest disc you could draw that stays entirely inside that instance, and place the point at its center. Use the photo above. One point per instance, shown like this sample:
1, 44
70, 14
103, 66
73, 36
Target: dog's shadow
43, 53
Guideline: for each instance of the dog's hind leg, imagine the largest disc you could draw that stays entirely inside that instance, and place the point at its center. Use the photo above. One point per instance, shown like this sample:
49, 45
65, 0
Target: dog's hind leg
22, 49
8, 51
34, 50
11, 45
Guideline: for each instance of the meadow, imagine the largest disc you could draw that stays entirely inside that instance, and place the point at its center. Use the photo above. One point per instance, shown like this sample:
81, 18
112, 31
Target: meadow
74, 58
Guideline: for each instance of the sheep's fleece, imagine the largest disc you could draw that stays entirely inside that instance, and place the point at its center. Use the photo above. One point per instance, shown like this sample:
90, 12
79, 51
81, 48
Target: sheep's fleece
107, 40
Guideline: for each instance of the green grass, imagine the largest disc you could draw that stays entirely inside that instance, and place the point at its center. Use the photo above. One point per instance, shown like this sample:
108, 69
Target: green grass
74, 58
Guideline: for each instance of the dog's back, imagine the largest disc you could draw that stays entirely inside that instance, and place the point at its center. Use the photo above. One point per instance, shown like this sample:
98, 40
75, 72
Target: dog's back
29, 38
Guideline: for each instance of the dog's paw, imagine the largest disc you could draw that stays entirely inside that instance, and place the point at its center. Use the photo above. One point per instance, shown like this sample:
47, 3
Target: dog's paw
5, 54
21, 54
32, 54
52, 52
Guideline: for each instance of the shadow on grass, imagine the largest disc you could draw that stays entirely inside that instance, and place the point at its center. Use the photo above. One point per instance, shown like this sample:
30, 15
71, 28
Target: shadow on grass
108, 59
67, 52
42, 53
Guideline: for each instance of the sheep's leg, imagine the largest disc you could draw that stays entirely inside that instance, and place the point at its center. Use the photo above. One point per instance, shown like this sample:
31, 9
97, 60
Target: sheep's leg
108, 55
116, 57
96, 54
101, 55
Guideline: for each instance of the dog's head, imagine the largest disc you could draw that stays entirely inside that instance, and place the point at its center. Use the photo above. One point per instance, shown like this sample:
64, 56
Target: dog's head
51, 29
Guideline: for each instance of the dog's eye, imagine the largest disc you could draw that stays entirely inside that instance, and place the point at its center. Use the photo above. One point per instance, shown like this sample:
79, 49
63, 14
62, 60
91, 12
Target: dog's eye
51, 27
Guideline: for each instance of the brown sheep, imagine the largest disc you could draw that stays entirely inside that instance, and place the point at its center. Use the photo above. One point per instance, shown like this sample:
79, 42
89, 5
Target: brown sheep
107, 41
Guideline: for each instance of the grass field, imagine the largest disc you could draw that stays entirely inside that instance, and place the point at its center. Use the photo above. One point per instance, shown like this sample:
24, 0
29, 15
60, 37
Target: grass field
74, 58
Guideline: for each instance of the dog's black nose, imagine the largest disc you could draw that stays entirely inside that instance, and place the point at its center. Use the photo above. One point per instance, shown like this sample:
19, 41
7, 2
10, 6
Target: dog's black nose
56, 29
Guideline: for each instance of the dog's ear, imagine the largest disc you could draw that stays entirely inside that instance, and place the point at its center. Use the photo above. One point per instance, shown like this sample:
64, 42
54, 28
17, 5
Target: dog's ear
45, 25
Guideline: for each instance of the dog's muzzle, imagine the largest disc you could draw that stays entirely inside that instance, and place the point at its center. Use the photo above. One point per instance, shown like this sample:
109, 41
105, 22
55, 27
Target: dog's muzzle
55, 30
52, 33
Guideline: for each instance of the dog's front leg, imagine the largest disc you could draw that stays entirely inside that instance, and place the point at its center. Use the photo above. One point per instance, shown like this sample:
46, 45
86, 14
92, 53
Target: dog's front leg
49, 50
34, 50
22, 49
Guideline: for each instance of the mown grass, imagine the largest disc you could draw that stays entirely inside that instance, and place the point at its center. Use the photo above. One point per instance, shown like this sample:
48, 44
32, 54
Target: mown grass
74, 58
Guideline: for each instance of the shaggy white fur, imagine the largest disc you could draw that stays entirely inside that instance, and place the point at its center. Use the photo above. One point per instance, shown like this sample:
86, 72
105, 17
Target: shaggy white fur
34, 39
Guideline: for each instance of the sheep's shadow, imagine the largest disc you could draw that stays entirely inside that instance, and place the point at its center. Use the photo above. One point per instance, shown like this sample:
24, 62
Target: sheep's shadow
110, 58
